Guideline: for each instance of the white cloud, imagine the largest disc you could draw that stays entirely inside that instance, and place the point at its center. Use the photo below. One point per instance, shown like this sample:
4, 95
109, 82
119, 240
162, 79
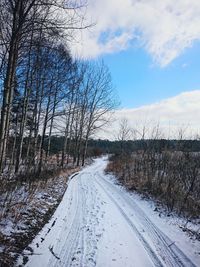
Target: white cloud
172, 114
164, 27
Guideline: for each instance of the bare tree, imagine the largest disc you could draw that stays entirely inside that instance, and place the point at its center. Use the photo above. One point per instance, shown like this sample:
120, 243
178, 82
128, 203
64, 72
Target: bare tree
18, 18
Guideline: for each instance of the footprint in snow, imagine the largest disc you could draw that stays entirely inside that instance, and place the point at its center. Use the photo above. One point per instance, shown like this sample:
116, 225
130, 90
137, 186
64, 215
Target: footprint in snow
92, 260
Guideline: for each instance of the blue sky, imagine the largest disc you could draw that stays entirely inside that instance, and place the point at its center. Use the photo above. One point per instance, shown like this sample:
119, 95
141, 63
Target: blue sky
140, 81
152, 49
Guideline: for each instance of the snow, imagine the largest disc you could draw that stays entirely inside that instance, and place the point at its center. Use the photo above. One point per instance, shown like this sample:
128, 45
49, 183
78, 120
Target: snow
24, 208
99, 223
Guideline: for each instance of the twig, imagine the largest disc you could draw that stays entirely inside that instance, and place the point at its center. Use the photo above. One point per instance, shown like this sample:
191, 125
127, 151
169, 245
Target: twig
51, 250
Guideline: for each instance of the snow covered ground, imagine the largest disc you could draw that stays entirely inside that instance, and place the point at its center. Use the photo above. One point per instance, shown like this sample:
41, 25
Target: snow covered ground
99, 224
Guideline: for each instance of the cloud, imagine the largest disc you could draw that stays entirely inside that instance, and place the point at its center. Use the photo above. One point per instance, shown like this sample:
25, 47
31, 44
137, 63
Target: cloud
164, 28
175, 115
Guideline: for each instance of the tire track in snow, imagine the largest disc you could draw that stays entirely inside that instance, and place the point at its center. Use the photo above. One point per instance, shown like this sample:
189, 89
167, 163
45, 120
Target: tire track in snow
149, 250
79, 244
72, 236
168, 251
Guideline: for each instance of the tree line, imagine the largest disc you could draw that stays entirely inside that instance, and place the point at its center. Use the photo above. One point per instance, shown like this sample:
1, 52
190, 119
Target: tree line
44, 91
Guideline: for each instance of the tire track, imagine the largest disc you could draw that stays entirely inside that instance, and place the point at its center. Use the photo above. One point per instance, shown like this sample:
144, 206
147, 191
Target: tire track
72, 237
149, 250
168, 251
79, 243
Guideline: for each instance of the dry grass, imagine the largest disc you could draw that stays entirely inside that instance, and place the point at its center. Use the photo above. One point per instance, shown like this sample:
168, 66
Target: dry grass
171, 177
25, 206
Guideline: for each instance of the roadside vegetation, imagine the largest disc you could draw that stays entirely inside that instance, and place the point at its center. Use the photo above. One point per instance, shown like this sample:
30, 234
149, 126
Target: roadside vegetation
166, 170
170, 176
26, 207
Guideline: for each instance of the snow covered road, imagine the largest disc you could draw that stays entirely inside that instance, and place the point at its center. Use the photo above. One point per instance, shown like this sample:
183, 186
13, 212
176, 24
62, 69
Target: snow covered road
99, 224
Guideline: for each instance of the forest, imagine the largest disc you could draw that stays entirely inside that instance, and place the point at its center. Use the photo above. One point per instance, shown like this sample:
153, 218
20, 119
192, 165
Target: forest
44, 90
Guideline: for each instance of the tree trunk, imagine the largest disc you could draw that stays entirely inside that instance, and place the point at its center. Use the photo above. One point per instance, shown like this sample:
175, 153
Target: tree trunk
7, 100
51, 124
41, 150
